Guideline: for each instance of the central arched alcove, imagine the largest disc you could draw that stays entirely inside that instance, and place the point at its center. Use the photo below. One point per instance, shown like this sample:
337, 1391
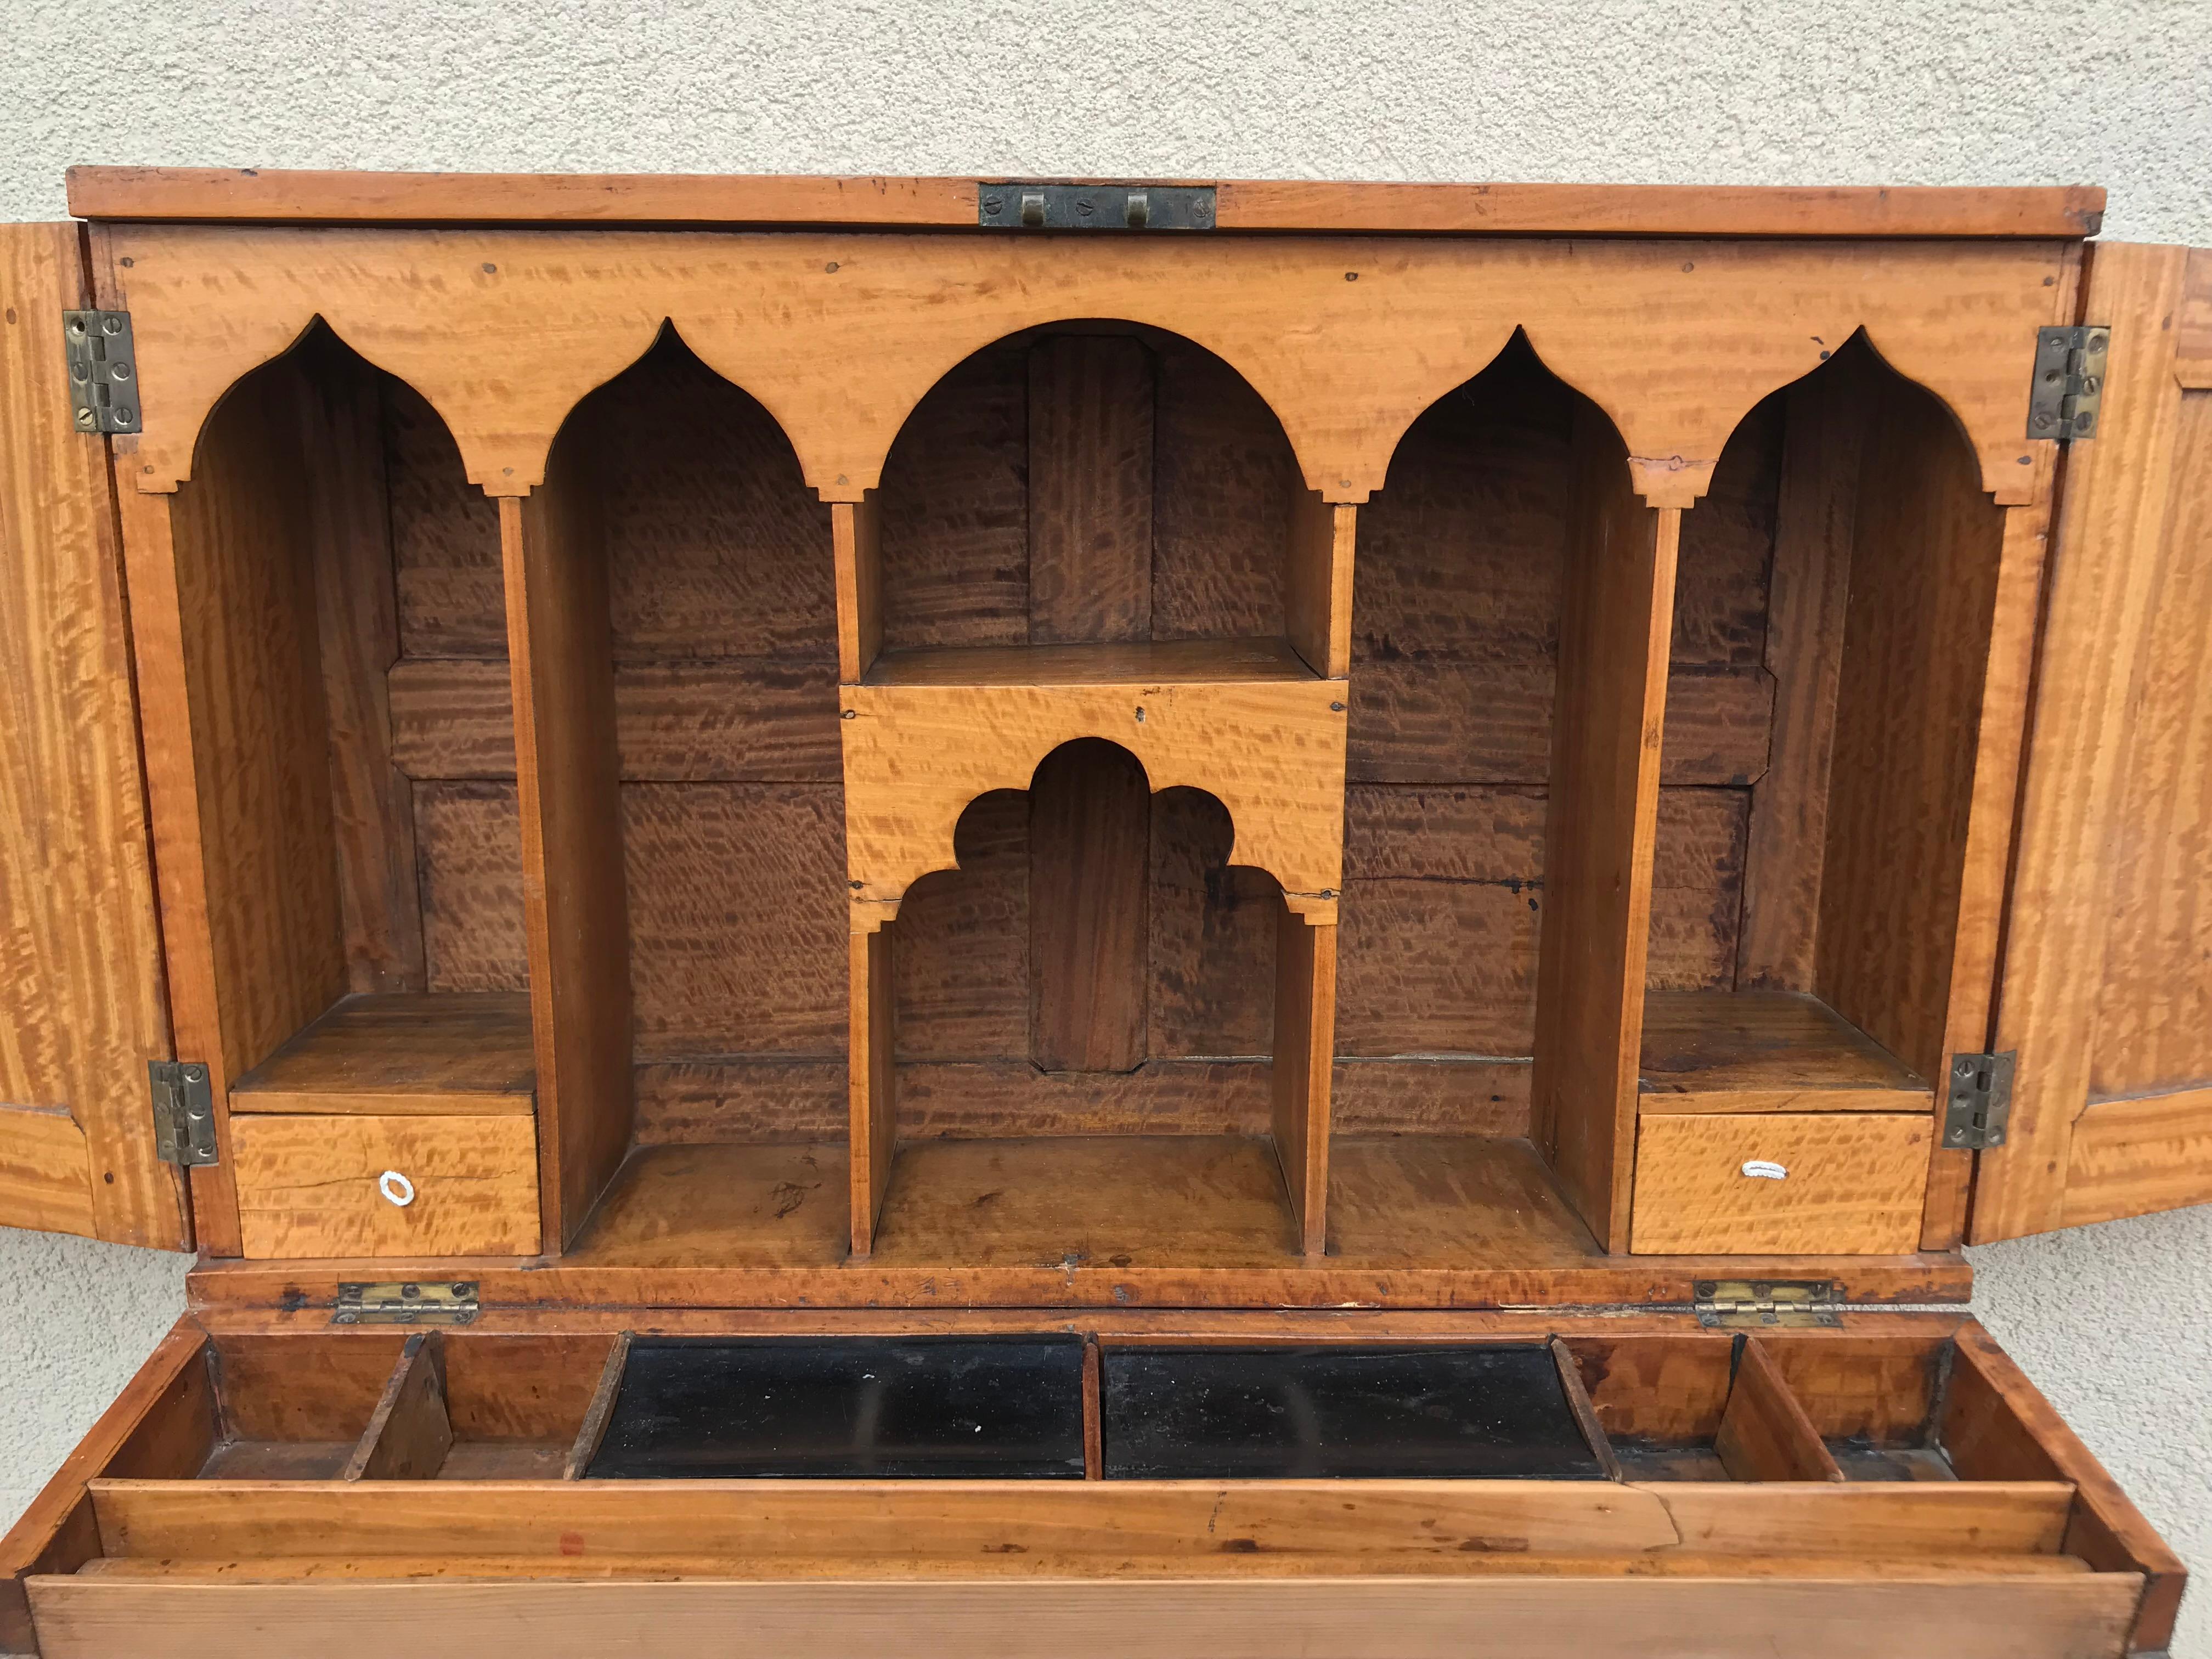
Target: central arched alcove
1091, 483
1085, 1017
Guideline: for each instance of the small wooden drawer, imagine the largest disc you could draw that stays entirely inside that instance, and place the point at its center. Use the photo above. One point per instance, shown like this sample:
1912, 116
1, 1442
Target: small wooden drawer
325, 1186
1802, 1182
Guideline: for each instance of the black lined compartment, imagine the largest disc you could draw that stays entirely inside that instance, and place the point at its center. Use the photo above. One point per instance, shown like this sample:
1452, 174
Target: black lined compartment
848, 1408
1494, 1411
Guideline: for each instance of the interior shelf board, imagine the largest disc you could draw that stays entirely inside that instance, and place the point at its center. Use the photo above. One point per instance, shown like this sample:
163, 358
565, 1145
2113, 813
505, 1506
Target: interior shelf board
1449, 1202
444, 1052
1169, 662
1771, 1051
751, 1204
1188, 1201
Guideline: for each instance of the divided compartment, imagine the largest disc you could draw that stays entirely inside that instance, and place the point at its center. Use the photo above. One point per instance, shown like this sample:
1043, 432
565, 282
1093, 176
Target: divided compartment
1093, 745
1798, 1009
363, 1005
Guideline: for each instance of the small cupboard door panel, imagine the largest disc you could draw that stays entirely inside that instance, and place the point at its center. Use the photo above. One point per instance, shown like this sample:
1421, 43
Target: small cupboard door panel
81, 1006
2106, 987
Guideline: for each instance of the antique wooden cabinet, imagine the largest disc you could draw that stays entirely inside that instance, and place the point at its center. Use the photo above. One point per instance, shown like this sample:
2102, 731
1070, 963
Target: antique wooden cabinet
1266, 914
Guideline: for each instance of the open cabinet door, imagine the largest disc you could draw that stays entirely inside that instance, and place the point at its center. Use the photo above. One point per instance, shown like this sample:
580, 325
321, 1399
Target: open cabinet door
2107, 987
82, 1004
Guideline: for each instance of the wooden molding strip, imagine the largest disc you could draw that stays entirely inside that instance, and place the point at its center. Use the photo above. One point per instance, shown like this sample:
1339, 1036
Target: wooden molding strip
264, 195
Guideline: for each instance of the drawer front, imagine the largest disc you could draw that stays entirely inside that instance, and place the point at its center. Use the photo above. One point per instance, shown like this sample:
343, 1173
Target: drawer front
386, 1186
1819, 1184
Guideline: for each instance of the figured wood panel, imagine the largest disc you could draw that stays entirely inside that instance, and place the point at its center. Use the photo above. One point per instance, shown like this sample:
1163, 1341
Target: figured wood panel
2067, 923
1601, 817
380, 1055
735, 925
741, 720
1271, 751
1854, 1183
1090, 490
2133, 1156
785, 315
308, 1186
1223, 482
445, 537
46, 1174
469, 839
1427, 1619
2154, 1013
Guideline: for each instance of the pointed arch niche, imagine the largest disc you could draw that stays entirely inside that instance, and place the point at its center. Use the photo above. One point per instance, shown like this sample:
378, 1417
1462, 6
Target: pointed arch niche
358, 861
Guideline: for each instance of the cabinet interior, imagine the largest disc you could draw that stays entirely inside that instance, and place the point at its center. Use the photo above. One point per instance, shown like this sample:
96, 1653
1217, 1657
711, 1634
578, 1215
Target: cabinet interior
1089, 1034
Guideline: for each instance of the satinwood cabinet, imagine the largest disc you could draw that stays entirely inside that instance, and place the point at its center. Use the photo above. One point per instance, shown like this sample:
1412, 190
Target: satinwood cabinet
937, 915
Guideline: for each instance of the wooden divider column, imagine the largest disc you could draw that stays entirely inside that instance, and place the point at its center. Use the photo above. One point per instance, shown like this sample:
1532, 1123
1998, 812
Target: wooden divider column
1608, 715
575, 903
1305, 1041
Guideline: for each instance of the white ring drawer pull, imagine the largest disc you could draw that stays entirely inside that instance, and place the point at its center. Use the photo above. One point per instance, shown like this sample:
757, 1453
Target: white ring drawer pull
1762, 1169
398, 1189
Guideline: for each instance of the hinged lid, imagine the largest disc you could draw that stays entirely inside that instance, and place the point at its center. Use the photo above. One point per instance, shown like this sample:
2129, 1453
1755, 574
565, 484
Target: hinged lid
407, 1302
1762, 1304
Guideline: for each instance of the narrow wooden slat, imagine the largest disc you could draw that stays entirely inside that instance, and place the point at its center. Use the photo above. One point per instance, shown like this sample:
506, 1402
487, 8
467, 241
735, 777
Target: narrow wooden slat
1765, 1434
593, 1428
1090, 490
349, 532
1966, 1617
857, 549
871, 1083
1808, 597
1317, 582
1585, 1414
1603, 814
1305, 1029
2192, 365
575, 903
408, 1433
1094, 1444
365, 198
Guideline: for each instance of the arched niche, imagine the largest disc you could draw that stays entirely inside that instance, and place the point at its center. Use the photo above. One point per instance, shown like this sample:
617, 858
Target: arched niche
691, 585
343, 646
1096, 481
1834, 626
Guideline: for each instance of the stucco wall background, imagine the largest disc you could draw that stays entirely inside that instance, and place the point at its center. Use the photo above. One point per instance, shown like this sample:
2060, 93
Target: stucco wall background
2113, 1321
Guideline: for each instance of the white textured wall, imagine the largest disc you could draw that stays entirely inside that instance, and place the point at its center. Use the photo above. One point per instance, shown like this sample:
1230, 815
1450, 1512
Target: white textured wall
2113, 1321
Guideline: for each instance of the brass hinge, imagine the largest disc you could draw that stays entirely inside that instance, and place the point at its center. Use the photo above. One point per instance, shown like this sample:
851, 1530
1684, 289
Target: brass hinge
1980, 1101
1768, 1303
1094, 207
407, 1302
103, 371
184, 1111
2069, 386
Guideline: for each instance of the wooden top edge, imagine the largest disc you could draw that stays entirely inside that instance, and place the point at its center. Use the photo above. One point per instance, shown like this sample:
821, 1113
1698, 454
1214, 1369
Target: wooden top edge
276, 196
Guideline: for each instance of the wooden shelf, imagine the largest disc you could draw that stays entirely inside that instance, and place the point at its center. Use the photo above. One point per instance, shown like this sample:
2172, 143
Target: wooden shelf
1140, 664
466, 1054
1765, 1051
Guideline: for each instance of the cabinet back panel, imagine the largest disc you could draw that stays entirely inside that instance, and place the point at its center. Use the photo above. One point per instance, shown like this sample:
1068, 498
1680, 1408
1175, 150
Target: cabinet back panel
1014, 500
